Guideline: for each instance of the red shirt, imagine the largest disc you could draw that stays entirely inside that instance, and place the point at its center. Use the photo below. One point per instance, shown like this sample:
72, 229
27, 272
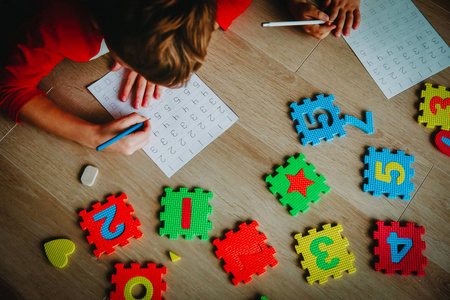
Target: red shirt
63, 30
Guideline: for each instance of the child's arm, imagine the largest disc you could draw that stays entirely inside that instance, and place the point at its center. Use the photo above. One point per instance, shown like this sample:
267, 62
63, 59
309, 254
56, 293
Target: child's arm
344, 13
228, 10
44, 113
305, 11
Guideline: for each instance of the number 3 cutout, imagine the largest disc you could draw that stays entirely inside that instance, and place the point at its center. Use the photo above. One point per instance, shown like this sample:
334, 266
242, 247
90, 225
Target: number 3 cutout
109, 214
321, 255
386, 177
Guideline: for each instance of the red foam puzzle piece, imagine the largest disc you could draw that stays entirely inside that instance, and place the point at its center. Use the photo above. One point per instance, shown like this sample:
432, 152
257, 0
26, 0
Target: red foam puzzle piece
245, 252
122, 216
151, 273
413, 261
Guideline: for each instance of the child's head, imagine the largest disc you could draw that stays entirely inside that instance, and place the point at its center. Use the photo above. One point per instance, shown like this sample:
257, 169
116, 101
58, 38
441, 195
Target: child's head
162, 40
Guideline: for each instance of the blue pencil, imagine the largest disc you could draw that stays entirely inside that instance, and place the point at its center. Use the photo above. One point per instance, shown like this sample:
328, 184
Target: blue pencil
119, 136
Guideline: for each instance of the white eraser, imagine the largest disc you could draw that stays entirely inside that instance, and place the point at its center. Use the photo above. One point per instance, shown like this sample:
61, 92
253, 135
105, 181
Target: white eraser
89, 175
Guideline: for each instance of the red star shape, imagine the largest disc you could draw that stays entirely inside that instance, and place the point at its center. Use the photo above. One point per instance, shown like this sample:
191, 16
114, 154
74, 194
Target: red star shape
299, 182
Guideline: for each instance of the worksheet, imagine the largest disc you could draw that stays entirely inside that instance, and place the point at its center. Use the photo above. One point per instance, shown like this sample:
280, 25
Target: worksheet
184, 121
397, 45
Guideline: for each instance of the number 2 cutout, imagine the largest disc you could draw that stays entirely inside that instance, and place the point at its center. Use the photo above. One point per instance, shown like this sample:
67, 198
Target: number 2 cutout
109, 214
321, 255
393, 240
386, 177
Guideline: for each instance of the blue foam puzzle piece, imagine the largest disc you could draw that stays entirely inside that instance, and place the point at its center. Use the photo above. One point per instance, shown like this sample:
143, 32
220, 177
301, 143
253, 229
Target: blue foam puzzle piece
367, 126
326, 131
377, 185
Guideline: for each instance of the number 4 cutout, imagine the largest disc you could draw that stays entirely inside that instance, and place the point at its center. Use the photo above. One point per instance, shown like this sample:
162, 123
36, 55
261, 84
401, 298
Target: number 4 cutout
394, 241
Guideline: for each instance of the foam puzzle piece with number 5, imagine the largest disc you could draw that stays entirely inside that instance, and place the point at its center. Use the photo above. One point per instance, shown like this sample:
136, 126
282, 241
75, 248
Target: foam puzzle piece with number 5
297, 184
388, 173
126, 278
245, 252
407, 260
186, 213
435, 107
110, 224
324, 253
326, 131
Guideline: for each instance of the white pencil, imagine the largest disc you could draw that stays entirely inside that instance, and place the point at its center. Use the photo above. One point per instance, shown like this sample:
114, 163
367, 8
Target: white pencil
292, 23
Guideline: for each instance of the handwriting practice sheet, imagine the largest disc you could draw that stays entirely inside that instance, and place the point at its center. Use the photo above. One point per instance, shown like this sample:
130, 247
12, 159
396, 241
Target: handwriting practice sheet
397, 45
184, 121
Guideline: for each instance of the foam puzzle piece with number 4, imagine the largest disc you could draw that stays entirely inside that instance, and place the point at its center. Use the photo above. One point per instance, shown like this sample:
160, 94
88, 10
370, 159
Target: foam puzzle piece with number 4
390, 257
325, 131
186, 213
126, 278
435, 107
297, 184
324, 253
388, 173
110, 224
245, 252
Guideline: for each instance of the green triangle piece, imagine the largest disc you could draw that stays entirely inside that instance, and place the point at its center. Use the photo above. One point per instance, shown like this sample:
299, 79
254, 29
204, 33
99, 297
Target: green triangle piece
58, 250
173, 256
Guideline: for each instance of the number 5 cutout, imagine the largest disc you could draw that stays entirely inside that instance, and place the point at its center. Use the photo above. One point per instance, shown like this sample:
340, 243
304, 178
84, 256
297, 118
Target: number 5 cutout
386, 176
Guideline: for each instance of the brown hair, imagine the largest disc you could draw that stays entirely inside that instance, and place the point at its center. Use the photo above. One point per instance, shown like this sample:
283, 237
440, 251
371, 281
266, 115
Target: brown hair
162, 40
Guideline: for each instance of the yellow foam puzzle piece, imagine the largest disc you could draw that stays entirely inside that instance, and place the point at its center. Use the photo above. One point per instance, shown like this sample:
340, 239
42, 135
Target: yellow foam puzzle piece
58, 250
173, 256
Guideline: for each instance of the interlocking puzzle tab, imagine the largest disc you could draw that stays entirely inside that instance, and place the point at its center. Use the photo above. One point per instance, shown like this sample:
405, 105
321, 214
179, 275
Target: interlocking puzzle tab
110, 224
58, 250
245, 252
389, 173
325, 253
367, 126
297, 184
409, 258
442, 141
326, 131
186, 213
126, 278
435, 107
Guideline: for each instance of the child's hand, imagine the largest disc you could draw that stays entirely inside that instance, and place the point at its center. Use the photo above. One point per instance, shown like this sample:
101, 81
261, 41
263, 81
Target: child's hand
345, 14
305, 11
144, 89
132, 142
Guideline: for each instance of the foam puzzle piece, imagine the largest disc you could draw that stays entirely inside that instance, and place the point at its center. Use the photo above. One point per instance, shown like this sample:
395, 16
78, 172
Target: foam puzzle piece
110, 224
264, 298
435, 107
324, 253
186, 213
173, 256
58, 250
245, 252
367, 126
389, 173
297, 184
150, 277
89, 175
442, 141
410, 258
326, 131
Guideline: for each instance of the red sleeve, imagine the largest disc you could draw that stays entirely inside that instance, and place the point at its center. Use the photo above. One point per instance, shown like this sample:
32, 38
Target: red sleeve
58, 32
228, 10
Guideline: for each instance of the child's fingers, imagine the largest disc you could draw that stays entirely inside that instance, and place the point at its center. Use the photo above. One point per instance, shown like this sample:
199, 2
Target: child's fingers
315, 13
150, 89
348, 23
116, 66
357, 21
326, 4
140, 90
128, 86
334, 12
340, 24
158, 91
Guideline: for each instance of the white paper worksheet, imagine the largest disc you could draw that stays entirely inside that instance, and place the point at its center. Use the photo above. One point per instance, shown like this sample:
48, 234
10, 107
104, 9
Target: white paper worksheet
397, 45
184, 121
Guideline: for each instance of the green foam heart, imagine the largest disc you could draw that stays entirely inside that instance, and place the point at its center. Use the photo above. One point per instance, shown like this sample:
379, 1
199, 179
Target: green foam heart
58, 250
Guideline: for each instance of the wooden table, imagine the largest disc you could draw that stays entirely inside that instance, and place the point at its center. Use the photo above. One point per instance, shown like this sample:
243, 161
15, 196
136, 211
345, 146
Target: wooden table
257, 72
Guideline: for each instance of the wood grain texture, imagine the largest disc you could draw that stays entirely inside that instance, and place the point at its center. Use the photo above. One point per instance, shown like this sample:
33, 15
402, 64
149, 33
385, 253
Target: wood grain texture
247, 68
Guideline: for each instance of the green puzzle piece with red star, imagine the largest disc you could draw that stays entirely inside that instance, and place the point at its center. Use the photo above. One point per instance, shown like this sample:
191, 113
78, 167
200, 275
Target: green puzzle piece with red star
297, 184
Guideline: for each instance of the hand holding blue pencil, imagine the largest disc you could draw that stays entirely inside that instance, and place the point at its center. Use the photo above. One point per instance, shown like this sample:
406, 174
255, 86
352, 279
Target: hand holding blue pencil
121, 135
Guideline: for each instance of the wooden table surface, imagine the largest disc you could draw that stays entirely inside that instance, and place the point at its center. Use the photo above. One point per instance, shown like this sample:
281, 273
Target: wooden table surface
258, 72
